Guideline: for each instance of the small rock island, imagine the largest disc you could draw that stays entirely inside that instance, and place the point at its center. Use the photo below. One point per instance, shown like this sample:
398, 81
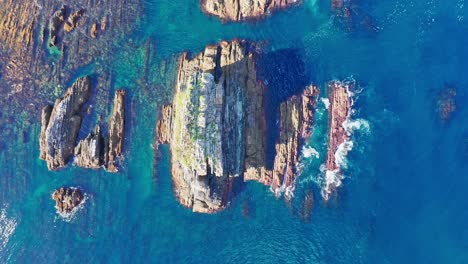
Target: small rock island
239, 10
67, 199
216, 127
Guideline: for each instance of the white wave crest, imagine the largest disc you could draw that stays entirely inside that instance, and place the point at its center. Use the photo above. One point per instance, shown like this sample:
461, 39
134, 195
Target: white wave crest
342, 152
333, 180
308, 152
326, 102
351, 125
7, 228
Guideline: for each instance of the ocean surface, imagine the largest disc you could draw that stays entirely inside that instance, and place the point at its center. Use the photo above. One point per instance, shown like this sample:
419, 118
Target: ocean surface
403, 198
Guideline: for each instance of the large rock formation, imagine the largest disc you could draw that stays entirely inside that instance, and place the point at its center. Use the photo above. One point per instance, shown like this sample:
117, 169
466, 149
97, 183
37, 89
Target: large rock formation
67, 199
238, 10
339, 112
216, 127
61, 124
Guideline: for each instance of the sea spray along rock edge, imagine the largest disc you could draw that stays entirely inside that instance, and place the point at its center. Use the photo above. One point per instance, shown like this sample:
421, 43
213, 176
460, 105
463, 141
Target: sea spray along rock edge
216, 128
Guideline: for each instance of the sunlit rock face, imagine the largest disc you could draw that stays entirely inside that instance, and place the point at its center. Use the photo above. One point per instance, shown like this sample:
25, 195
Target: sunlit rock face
216, 127
239, 10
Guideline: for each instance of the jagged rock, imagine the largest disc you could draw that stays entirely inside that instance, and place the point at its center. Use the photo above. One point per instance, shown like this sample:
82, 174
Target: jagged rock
238, 10
296, 118
116, 131
55, 23
89, 151
216, 125
59, 131
339, 112
72, 20
93, 30
66, 199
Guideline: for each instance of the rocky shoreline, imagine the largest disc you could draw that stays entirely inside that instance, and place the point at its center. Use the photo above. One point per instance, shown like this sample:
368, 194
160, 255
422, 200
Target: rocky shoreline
216, 124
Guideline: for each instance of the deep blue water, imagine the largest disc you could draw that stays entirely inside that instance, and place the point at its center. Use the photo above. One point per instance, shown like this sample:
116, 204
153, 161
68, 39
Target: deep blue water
404, 196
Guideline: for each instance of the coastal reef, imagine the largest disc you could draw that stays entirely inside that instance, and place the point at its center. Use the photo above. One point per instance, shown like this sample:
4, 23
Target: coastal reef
61, 124
216, 127
67, 199
239, 10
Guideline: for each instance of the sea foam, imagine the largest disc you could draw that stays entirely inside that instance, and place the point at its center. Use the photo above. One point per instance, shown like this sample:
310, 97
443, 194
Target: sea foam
7, 228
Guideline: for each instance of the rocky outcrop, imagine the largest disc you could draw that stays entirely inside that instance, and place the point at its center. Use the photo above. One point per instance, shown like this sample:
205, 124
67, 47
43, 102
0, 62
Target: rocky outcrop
216, 127
61, 124
67, 199
339, 112
89, 151
55, 23
238, 10
72, 21
296, 118
116, 131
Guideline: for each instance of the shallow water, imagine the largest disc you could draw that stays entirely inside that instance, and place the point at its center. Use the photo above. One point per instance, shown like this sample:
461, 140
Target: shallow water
403, 196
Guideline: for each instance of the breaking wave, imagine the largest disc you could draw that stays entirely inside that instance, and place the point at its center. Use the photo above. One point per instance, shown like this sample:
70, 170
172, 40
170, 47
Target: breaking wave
7, 228
308, 152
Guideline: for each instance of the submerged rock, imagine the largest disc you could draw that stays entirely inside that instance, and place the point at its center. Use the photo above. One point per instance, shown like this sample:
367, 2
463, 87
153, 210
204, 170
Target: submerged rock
67, 199
216, 127
446, 103
238, 10
61, 124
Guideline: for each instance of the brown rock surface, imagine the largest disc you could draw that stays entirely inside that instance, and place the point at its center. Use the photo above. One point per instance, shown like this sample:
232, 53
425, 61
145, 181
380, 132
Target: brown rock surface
238, 10
66, 199
339, 111
60, 130
296, 119
89, 151
216, 124
116, 131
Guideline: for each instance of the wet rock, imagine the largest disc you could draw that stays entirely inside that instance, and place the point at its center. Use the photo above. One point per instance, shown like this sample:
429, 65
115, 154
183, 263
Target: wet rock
55, 23
61, 124
116, 131
216, 125
67, 199
352, 17
238, 10
339, 112
305, 211
89, 151
446, 103
93, 30
72, 20
296, 118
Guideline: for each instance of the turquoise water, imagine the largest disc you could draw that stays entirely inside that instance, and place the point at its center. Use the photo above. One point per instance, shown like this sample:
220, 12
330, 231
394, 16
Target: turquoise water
403, 199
